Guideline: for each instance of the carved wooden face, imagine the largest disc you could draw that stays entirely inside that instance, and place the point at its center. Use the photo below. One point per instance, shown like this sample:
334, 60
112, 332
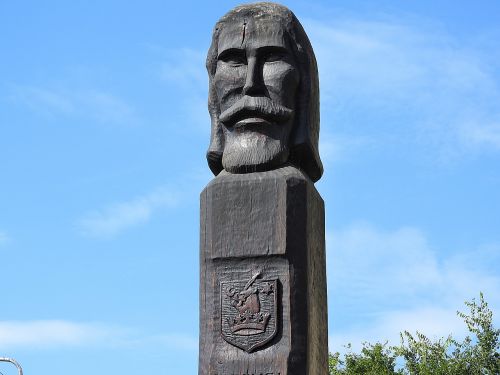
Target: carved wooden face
256, 82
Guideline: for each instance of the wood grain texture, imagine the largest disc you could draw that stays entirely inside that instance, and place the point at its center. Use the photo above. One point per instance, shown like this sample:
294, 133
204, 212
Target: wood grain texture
269, 224
263, 92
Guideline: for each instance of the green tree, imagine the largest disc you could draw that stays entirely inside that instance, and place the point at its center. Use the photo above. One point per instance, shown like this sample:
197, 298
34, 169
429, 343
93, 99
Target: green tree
375, 359
477, 354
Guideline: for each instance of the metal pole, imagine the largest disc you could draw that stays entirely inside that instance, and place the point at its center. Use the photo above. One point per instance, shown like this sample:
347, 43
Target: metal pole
14, 362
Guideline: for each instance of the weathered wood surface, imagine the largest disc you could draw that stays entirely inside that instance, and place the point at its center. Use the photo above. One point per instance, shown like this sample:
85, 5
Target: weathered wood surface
263, 307
263, 93
266, 226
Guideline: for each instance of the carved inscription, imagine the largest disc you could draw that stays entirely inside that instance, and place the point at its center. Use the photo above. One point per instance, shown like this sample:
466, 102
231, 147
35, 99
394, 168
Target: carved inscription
249, 312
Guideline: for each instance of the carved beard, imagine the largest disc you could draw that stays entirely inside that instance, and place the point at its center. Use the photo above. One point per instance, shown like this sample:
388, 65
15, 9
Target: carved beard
252, 151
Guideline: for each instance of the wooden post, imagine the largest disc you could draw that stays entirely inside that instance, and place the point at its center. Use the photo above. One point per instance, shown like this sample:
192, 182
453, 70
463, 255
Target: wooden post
262, 247
263, 308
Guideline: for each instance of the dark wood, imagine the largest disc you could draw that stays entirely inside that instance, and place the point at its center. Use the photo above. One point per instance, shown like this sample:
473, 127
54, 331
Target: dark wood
269, 224
263, 92
263, 308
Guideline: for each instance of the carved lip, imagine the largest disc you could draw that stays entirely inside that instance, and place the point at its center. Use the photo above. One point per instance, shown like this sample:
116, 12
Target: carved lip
251, 121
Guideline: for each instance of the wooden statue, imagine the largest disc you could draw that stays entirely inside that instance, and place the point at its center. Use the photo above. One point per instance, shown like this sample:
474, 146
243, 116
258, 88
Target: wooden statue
263, 308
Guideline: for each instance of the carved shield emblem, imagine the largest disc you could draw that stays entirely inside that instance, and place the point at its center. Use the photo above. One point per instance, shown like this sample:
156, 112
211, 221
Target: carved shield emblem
249, 312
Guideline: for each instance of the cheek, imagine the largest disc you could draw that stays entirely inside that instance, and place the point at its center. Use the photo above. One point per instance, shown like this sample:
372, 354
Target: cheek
281, 80
228, 83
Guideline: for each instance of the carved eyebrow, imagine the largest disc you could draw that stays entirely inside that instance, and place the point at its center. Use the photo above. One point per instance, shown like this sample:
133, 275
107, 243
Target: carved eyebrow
273, 49
231, 52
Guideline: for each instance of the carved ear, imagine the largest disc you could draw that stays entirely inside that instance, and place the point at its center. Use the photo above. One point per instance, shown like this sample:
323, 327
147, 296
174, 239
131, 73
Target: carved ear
214, 161
303, 156
304, 144
216, 148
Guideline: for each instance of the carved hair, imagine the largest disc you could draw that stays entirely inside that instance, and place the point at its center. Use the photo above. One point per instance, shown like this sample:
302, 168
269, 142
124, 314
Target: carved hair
305, 133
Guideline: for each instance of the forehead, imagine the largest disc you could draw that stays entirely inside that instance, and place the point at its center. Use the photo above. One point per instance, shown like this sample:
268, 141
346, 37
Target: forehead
251, 33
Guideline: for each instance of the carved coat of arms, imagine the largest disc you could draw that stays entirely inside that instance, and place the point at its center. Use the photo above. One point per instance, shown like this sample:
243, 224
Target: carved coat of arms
249, 312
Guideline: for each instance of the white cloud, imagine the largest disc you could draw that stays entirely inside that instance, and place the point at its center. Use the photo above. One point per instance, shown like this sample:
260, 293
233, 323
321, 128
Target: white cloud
95, 104
378, 60
106, 107
4, 237
43, 100
47, 333
120, 216
336, 147
406, 79
172, 341
381, 283
185, 68
481, 134
435, 322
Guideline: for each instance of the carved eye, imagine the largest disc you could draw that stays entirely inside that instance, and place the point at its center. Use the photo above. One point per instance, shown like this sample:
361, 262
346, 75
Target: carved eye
233, 57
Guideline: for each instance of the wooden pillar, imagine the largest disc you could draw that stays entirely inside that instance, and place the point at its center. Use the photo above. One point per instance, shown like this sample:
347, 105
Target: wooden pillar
263, 308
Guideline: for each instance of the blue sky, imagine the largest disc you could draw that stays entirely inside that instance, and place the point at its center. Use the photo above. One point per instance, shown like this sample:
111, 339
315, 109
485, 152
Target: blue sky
104, 132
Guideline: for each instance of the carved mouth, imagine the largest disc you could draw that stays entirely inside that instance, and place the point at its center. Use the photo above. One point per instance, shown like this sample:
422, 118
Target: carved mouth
244, 123
250, 107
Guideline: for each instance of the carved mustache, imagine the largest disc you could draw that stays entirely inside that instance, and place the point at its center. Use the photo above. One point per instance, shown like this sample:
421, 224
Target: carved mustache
251, 106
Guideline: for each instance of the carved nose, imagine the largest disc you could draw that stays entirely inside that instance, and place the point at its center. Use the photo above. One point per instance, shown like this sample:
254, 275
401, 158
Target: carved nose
253, 82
